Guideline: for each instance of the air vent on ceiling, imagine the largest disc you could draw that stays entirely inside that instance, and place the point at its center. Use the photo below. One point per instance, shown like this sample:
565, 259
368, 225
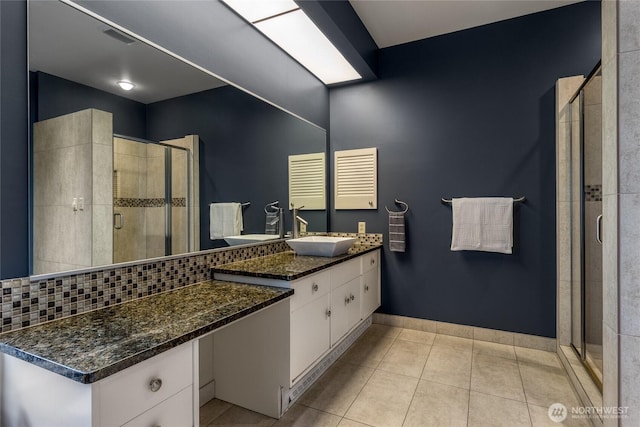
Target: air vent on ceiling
119, 36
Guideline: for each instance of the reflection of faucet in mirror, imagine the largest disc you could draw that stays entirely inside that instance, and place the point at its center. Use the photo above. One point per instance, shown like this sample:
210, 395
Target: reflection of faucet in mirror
296, 219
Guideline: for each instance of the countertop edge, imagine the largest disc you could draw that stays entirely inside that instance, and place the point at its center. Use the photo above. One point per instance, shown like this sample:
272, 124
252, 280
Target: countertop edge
91, 377
296, 276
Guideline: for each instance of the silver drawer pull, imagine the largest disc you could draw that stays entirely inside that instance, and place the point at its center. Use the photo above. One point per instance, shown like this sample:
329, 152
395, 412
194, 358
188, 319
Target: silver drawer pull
366, 287
347, 300
155, 384
352, 297
314, 287
328, 313
373, 261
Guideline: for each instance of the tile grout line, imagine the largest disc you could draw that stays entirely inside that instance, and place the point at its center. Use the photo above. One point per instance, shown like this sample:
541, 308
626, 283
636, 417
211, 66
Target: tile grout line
524, 392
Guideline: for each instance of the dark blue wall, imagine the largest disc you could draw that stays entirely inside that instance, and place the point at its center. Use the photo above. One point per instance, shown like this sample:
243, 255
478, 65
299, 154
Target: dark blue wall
469, 114
244, 144
54, 96
14, 171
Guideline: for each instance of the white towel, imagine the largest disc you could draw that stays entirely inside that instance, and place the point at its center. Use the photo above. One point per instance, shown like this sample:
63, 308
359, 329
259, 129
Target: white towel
482, 224
225, 219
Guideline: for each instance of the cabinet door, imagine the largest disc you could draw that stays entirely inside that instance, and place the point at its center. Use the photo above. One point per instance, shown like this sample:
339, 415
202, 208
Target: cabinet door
175, 411
309, 334
345, 309
370, 292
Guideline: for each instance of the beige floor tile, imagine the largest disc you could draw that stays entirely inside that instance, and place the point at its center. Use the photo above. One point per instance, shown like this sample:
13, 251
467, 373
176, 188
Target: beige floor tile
457, 343
368, 350
345, 422
417, 336
494, 349
544, 385
494, 411
237, 416
336, 390
446, 365
496, 376
540, 418
303, 416
384, 401
212, 409
438, 405
405, 358
382, 331
537, 357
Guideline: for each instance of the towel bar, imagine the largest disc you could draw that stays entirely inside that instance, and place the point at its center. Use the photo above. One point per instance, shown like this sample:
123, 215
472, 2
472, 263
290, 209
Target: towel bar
521, 199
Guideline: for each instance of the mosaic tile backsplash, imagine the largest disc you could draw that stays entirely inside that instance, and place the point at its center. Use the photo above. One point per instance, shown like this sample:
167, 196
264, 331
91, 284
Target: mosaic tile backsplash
593, 193
27, 302
123, 202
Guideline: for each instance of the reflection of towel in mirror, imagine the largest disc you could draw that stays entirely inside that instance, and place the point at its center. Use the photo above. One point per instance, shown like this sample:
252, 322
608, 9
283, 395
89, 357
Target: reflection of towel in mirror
225, 219
271, 223
482, 224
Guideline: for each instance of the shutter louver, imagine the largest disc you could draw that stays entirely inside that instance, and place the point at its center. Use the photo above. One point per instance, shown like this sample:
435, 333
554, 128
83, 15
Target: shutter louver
356, 179
307, 181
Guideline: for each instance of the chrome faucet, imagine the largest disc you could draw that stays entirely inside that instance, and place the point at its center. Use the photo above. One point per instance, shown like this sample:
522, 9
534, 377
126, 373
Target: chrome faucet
296, 220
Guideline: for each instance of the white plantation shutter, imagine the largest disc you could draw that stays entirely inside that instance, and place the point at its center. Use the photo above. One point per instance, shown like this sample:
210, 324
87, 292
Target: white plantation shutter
307, 181
356, 179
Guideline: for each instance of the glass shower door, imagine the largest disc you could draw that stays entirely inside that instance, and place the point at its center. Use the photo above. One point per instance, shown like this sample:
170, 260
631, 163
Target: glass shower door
586, 219
150, 205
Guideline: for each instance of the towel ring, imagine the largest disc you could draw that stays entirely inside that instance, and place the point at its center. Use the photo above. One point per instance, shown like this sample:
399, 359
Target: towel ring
399, 202
272, 205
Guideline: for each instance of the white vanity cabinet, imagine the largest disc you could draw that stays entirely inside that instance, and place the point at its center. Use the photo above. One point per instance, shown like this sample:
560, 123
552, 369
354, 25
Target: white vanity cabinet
310, 320
370, 289
154, 392
325, 306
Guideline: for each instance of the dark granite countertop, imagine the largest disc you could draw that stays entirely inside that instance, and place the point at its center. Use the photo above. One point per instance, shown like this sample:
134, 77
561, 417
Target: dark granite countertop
287, 265
94, 345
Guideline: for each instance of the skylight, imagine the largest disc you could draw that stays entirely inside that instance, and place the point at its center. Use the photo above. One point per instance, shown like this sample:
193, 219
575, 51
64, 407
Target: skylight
292, 30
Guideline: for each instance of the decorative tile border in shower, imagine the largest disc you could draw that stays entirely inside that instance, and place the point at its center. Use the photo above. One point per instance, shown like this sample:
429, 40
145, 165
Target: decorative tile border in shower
593, 193
27, 302
124, 202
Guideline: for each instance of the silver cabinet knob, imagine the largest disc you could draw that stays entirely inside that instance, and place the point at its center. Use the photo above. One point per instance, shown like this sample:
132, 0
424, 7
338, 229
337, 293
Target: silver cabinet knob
314, 287
352, 297
347, 300
328, 313
366, 287
155, 384
373, 261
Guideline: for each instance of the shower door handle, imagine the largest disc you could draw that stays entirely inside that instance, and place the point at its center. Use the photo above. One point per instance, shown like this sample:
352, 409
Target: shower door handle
599, 229
118, 220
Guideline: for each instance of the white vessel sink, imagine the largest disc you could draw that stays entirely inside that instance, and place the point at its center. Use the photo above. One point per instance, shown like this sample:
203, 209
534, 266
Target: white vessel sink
249, 238
321, 245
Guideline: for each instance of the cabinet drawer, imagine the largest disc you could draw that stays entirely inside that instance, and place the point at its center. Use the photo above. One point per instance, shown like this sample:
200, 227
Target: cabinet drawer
129, 393
345, 272
370, 261
176, 411
309, 288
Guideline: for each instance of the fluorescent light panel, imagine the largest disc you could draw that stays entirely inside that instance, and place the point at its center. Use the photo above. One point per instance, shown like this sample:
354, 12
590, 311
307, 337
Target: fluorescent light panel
297, 35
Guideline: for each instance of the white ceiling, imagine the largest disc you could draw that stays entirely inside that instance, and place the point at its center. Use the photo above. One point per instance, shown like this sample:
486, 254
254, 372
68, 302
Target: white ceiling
393, 22
69, 44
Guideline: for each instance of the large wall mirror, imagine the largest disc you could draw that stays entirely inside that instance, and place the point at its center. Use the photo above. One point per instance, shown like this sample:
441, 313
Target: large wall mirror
127, 175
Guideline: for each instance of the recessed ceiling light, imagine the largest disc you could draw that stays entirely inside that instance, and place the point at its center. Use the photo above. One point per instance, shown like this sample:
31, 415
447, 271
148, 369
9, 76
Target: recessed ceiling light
125, 85
294, 32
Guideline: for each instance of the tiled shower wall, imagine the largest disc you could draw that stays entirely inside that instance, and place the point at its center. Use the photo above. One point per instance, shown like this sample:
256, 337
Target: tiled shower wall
27, 301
